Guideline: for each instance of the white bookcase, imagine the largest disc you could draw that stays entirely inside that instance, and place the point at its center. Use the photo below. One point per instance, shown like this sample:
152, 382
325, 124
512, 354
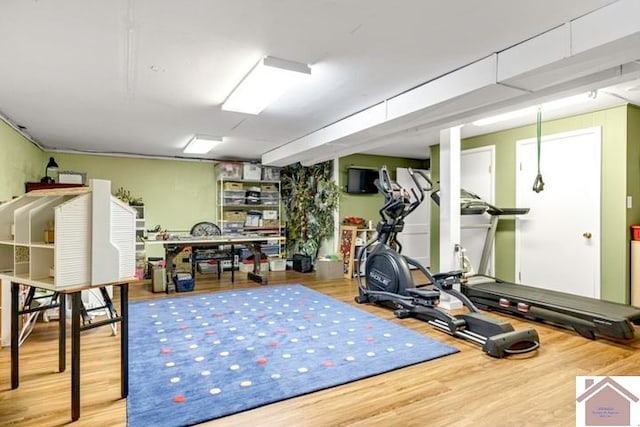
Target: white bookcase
93, 236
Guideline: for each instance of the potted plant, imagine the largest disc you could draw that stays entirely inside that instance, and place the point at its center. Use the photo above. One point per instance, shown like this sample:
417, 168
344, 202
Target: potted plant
310, 199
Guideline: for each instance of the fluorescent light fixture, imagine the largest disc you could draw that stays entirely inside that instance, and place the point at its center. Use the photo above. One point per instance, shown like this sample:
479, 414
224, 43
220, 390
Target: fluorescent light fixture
547, 106
267, 81
506, 116
200, 144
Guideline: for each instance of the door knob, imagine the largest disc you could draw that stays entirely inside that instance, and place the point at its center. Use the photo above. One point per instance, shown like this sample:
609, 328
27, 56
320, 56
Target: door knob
586, 235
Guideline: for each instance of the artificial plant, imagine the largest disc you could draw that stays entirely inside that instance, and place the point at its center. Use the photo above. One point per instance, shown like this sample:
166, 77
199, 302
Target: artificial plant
310, 199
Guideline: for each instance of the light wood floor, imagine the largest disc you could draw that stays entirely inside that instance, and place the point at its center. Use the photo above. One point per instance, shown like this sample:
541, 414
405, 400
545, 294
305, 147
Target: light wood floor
467, 388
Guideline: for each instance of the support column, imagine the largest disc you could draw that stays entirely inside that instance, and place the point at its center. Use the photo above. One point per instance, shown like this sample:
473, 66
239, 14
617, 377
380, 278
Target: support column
449, 206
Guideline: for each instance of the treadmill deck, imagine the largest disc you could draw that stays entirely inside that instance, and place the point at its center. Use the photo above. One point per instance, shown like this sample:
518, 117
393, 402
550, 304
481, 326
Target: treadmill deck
554, 299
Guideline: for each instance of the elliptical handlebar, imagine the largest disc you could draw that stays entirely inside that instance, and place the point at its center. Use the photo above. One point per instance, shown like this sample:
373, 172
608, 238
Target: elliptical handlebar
398, 202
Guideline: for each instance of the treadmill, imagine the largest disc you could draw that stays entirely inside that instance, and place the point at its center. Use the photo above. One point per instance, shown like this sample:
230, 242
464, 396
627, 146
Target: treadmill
588, 317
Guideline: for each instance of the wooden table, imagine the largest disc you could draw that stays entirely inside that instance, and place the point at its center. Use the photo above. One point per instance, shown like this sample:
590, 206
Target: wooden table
254, 243
76, 309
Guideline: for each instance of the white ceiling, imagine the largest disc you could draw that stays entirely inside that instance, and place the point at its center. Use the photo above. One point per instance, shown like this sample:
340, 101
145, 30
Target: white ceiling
143, 76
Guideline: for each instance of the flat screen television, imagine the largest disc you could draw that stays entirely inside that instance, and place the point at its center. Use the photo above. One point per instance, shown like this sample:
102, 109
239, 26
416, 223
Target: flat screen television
361, 181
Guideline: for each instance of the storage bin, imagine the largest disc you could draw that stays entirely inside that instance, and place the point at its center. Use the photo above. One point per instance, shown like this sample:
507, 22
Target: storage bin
247, 266
270, 250
270, 222
251, 171
159, 279
270, 173
206, 267
302, 263
233, 186
231, 170
183, 282
635, 232
272, 188
234, 200
269, 214
238, 216
277, 264
329, 269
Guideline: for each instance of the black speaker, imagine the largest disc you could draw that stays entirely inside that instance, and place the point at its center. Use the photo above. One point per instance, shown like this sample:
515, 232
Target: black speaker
302, 263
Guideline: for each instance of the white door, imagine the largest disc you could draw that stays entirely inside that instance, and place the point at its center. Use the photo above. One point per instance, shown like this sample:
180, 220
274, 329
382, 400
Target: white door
415, 239
477, 176
558, 241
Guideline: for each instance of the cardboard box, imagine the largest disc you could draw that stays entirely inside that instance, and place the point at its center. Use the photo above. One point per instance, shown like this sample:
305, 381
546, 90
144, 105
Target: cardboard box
329, 269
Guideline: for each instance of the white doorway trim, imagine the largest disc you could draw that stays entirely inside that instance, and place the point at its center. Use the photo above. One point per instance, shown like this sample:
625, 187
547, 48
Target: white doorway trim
491, 149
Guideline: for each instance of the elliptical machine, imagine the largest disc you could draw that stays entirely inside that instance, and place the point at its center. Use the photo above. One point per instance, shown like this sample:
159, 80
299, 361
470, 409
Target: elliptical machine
389, 281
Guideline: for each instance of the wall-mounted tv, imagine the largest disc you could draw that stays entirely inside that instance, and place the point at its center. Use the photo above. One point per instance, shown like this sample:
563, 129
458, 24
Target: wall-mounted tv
361, 181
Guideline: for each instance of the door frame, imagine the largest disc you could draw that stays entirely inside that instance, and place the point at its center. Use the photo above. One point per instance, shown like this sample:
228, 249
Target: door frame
597, 132
492, 150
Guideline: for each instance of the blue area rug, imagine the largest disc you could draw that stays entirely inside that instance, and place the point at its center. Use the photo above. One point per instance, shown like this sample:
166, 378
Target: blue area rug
203, 356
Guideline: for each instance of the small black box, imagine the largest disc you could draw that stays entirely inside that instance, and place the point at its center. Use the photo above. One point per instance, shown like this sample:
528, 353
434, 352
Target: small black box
302, 263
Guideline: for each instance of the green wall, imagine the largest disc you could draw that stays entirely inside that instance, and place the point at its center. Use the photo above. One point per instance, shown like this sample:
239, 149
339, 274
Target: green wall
367, 205
176, 193
633, 179
615, 218
21, 162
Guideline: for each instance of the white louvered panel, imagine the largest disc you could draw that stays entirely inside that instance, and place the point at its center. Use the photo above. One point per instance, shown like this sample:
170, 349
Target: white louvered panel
73, 242
123, 237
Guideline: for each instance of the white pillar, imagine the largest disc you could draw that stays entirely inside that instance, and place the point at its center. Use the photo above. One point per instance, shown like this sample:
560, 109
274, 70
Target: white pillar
449, 206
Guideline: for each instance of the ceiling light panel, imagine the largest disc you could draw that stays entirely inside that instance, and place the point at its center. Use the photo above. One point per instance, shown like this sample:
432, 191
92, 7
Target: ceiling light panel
267, 81
201, 144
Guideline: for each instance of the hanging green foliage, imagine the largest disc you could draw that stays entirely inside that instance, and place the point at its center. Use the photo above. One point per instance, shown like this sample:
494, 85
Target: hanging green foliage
310, 199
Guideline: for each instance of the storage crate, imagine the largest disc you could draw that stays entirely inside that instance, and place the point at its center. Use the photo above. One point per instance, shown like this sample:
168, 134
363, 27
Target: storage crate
232, 170
270, 223
251, 171
277, 264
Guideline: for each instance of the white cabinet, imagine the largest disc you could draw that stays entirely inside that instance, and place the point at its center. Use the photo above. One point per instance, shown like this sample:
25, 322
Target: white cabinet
93, 237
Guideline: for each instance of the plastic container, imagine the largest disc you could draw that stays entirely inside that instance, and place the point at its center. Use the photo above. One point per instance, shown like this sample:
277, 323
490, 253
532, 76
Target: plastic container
184, 282
277, 264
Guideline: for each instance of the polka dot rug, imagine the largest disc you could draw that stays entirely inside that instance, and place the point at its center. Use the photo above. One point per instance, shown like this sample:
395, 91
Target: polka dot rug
199, 357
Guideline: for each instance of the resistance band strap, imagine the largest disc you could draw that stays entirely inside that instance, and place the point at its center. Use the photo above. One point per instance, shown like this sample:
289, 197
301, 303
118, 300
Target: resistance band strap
538, 184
